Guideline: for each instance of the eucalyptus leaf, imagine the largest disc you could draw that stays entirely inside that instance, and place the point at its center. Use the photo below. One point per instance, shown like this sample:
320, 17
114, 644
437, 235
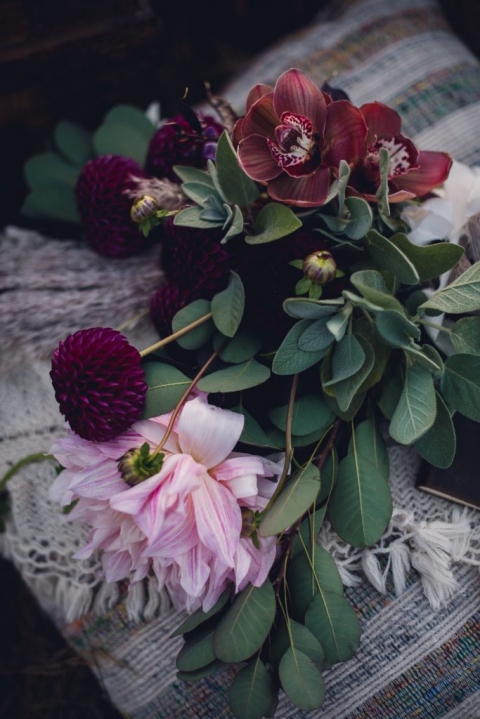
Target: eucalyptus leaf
335, 224
388, 256
310, 414
42, 171
369, 443
245, 626
251, 693
462, 295
228, 306
73, 142
305, 540
55, 201
289, 358
334, 623
416, 410
460, 385
273, 222
197, 652
438, 445
361, 218
302, 308
190, 313
352, 410
253, 433
298, 636
116, 138
396, 329
201, 673
237, 187
233, 379
465, 335
316, 337
301, 680
430, 261
240, 348
166, 385
298, 494
199, 616
309, 575
132, 118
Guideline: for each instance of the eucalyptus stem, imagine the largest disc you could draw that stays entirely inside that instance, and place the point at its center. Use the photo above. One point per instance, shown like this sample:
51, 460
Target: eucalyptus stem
441, 328
128, 323
288, 443
176, 335
29, 459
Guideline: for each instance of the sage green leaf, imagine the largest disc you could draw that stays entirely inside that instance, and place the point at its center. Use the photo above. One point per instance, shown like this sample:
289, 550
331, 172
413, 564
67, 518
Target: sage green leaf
42, 171
366, 331
416, 410
198, 192
346, 389
316, 337
343, 177
191, 217
197, 652
337, 324
460, 385
237, 187
132, 118
427, 356
245, 626
371, 285
166, 385
310, 414
73, 142
251, 693
301, 680
55, 201
414, 300
462, 295
190, 313
115, 138
438, 445
358, 301
201, 673
298, 494
302, 308
236, 225
253, 433
465, 336
301, 638
289, 358
396, 329
228, 306
334, 623
360, 506
192, 174
335, 224
348, 358
390, 396
309, 575
329, 477
199, 616
241, 348
383, 188
273, 222
349, 413
369, 442
236, 378
361, 218
430, 261
388, 256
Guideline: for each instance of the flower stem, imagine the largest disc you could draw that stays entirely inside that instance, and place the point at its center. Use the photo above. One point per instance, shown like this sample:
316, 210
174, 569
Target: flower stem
128, 323
288, 443
37, 457
441, 328
176, 335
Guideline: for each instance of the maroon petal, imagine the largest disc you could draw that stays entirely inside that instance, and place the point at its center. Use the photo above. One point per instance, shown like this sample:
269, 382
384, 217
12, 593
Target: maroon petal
256, 93
345, 134
308, 191
261, 119
433, 169
381, 120
295, 92
256, 159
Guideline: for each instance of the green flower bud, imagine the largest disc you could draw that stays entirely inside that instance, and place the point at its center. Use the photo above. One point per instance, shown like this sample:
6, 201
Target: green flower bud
320, 267
143, 208
137, 465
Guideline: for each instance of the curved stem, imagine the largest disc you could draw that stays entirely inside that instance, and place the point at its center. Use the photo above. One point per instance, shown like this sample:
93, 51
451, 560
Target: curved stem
37, 457
176, 335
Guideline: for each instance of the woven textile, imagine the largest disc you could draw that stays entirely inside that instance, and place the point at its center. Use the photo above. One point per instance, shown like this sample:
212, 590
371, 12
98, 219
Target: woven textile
415, 660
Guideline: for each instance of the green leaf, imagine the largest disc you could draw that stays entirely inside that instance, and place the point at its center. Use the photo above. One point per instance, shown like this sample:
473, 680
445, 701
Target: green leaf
252, 432
301, 680
228, 306
132, 118
49, 169
310, 526
289, 358
460, 385
166, 385
56, 201
199, 616
367, 332
201, 673
390, 395
303, 285
197, 337
428, 357
360, 506
396, 329
334, 623
415, 412
73, 142
303, 308
252, 691
240, 348
316, 337
120, 139
465, 336
343, 177
383, 189
462, 295
197, 652
430, 261
371, 285
337, 325
301, 638
192, 174
233, 379
245, 626
349, 413
237, 187
438, 445
198, 192
273, 222
306, 577
348, 358
191, 217
369, 443
298, 494
388, 256
358, 301
361, 218
236, 225
346, 389
310, 414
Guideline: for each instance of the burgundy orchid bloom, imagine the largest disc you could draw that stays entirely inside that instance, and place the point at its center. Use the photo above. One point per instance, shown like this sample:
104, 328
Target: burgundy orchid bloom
291, 136
412, 173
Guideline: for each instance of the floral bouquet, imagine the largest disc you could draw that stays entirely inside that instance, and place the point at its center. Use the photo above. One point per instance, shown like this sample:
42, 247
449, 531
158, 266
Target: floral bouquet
300, 327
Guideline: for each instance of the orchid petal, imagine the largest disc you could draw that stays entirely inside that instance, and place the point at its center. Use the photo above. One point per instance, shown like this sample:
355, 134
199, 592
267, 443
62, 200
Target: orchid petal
256, 93
218, 518
395, 196
208, 433
433, 169
257, 160
261, 118
295, 92
381, 120
345, 134
309, 191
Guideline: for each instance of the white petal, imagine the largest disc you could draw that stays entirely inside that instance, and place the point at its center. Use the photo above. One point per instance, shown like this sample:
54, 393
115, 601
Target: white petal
208, 433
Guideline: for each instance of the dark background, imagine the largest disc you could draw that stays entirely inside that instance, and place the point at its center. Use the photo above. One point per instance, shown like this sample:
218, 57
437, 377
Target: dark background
64, 59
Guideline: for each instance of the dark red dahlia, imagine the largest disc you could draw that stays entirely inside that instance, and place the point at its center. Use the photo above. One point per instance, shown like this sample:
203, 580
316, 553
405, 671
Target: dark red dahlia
99, 383
105, 208
166, 302
182, 142
194, 259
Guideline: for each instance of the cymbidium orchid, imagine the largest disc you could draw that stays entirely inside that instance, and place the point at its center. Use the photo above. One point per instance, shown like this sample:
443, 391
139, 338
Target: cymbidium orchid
411, 172
292, 135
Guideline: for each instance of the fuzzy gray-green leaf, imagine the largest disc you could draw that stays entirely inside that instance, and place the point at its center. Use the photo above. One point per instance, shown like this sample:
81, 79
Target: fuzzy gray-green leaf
462, 295
438, 445
460, 385
228, 306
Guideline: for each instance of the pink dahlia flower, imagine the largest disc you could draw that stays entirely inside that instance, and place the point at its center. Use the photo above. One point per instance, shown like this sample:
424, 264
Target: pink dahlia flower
291, 136
185, 521
411, 173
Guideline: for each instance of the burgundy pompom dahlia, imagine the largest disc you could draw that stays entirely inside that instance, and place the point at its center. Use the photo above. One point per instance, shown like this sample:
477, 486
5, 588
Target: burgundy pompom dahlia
99, 383
105, 208
166, 302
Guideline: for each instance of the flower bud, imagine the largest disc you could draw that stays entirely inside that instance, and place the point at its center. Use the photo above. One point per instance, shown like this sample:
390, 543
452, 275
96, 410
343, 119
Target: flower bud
320, 267
143, 208
136, 465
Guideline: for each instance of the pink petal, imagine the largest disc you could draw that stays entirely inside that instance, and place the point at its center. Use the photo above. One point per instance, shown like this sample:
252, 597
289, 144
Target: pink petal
117, 566
256, 93
153, 431
308, 191
208, 433
261, 119
239, 466
345, 134
132, 499
177, 535
60, 491
218, 518
256, 159
295, 92
99, 481
433, 169
381, 120
194, 570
